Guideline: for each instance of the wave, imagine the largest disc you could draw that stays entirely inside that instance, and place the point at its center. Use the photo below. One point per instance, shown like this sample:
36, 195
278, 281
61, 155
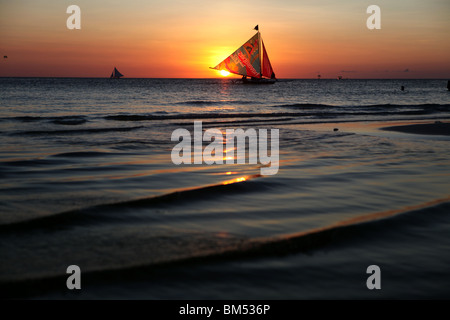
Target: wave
213, 249
305, 109
437, 107
63, 120
83, 154
141, 117
25, 163
214, 103
105, 211
275, 120
70, 121
276, 115
77, 131
54, 159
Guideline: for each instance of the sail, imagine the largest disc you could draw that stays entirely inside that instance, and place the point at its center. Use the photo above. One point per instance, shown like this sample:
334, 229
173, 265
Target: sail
117, 74
245, 60
267, 70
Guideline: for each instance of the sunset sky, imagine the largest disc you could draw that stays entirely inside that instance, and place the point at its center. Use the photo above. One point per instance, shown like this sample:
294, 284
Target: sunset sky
182, 39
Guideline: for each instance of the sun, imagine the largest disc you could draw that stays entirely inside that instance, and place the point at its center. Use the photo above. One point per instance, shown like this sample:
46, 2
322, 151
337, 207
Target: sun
224, 73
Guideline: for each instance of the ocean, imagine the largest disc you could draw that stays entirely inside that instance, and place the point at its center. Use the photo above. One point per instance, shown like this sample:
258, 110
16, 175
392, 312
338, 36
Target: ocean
87, 179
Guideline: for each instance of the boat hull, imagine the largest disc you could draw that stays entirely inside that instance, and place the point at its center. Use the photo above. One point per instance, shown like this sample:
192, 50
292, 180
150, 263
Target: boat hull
259, 81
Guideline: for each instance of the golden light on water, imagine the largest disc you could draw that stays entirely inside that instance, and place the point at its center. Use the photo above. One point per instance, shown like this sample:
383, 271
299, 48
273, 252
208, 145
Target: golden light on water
240, 179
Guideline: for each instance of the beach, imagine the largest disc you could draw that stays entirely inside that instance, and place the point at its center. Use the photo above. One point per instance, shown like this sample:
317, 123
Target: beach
88, 179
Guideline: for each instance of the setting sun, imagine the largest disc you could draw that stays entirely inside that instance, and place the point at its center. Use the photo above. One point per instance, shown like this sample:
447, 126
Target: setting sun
224, 73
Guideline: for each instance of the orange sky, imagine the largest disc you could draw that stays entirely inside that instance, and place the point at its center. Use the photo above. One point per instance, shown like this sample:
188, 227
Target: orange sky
181, 39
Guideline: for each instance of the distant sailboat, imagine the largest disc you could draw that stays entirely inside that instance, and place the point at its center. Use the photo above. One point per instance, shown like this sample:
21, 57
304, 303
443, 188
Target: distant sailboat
116, 74
250, 61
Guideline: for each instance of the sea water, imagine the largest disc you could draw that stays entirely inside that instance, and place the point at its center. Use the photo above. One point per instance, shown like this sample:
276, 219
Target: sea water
87, 179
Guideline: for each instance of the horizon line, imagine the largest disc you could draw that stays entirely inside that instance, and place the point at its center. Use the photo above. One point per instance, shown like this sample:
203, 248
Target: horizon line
221, 78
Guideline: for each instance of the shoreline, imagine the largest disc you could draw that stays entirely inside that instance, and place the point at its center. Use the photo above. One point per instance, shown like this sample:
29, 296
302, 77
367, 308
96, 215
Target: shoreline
422, 127
435, 128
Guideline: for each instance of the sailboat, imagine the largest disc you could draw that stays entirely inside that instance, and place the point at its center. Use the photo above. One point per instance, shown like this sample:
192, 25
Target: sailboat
251, 61
116, 74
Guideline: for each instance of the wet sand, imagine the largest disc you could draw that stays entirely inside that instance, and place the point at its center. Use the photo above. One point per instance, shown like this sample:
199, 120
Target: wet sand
436, 128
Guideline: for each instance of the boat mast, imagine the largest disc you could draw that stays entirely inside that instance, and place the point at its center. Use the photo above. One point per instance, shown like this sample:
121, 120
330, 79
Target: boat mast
260, 55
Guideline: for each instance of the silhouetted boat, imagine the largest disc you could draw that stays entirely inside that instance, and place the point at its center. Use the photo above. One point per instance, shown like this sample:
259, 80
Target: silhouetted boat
116, 74
251, 61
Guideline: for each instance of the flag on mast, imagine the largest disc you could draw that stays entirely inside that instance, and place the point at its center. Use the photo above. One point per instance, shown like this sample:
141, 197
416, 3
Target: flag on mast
256, 28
